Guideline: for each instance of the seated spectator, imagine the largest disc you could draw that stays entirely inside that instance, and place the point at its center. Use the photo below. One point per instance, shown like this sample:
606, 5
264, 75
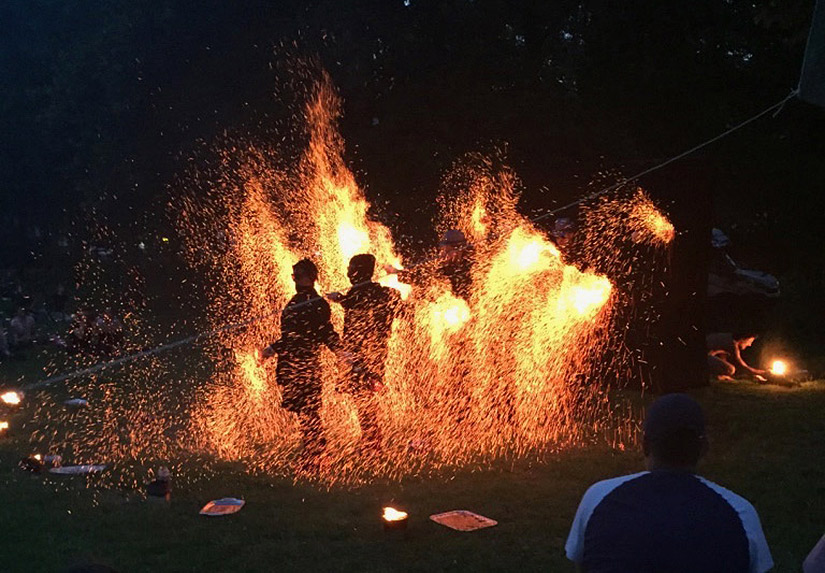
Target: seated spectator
725, 355
22, 329
668, 518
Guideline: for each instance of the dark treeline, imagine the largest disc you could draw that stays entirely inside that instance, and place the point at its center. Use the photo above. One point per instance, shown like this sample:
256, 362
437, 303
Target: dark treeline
109, 99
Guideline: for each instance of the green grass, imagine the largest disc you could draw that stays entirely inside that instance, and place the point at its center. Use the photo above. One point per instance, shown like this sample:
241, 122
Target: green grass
766, 444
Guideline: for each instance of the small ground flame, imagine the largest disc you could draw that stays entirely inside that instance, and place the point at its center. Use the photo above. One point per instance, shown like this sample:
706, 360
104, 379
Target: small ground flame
779, 368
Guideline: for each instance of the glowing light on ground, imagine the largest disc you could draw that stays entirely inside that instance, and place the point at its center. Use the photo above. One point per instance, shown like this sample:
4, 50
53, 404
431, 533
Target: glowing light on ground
392, 514
12, 398
779, 368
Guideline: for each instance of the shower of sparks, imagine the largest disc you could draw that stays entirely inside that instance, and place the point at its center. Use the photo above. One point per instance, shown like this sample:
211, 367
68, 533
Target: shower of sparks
507, 372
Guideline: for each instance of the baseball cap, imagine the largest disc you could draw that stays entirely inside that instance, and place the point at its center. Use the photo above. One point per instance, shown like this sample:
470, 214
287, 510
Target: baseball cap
673, 413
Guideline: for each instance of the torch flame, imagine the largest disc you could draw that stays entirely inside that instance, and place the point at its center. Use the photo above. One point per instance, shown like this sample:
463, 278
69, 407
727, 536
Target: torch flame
779, 368
4, 426
392, 514
11, 398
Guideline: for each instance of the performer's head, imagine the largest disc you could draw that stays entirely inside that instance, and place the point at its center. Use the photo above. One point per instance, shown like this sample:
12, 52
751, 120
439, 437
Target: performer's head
361, 268
304, 273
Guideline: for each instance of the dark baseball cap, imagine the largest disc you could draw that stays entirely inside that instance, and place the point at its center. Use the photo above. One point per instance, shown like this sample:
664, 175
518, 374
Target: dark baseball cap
673, 413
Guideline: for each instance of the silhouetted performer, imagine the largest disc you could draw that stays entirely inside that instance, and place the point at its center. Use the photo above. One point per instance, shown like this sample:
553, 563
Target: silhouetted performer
305, 328
369, 309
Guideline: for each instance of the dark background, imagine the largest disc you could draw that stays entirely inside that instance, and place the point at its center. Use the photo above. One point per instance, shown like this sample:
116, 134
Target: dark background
103, 103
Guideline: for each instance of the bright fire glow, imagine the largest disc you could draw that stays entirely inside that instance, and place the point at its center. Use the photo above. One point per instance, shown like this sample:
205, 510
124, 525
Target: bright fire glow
779, 368
588, 298
392, 514
11, 398
450, 313
4, 425
352, 240
506, 364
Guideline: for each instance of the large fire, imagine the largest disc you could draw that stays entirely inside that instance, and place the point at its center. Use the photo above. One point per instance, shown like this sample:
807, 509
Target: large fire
507, 370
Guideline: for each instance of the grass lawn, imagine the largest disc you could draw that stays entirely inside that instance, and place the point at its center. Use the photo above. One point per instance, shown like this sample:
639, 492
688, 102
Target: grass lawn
766, 444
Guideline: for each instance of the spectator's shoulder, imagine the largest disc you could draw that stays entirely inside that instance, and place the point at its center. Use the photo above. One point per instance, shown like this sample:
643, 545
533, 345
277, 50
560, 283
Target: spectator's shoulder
599, 490
739, 503
574, 548
760, 554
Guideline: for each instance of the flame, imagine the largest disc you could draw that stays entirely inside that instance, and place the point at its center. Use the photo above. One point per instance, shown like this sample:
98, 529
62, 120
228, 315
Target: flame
38, 457
393, 282
450, 313
779, 367
4, 425
254, 373
527, 251
12, 398
352, 240
479, 219
392, 514
464, 378
588, 298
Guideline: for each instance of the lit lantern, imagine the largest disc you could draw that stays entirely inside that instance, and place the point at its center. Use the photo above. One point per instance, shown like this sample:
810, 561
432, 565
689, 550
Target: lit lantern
394, 519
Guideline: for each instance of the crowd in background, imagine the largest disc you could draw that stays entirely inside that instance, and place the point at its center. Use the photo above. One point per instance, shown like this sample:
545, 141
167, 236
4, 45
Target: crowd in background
32, 318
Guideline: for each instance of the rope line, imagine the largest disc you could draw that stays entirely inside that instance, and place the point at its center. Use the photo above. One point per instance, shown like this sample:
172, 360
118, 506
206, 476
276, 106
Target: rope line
777, 107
